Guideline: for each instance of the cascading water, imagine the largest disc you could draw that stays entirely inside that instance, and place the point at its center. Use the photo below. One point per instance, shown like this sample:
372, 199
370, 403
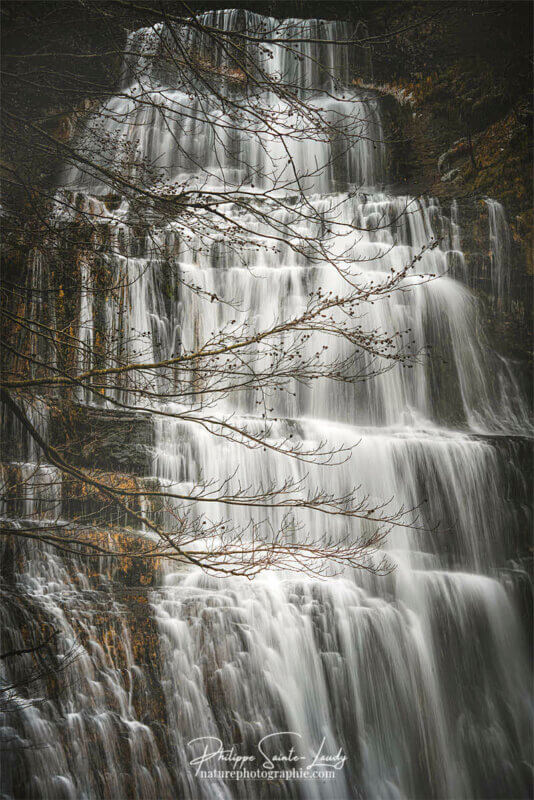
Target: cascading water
414, 683
500, 252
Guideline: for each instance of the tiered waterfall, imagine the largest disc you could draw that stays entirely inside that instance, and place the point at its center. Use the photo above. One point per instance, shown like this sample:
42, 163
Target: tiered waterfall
419, 676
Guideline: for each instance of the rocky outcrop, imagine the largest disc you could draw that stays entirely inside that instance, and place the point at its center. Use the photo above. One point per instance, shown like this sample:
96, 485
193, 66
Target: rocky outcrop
82, 501
447, 159
107, 439
451, 176
426, 152
458, 88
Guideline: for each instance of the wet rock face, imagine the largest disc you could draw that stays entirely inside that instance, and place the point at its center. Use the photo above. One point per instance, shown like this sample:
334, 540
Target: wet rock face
488, 109
84, 501
424, 151
96, 638
446, 159
451, 176
107, 439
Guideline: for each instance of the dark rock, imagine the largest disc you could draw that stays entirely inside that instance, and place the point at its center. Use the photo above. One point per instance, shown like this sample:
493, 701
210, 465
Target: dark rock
517, 578
451, 176
85, 502
104, 439
488, 110
445, 161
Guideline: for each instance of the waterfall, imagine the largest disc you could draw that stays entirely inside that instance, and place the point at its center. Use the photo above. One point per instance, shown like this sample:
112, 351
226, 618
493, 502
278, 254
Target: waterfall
415, 683
92, 743
500, 253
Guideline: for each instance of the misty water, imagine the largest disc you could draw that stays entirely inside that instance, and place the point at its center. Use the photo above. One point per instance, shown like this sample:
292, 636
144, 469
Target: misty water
418, 678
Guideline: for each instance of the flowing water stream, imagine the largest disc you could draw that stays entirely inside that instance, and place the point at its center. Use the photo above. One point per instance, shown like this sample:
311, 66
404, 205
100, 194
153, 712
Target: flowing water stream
418, 677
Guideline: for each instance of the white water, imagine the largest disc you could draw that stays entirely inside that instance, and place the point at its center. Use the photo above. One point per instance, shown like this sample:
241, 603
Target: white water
500, 253
418, 676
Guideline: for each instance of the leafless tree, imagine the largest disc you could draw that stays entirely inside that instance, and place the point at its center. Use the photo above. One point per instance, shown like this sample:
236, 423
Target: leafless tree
71, 238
